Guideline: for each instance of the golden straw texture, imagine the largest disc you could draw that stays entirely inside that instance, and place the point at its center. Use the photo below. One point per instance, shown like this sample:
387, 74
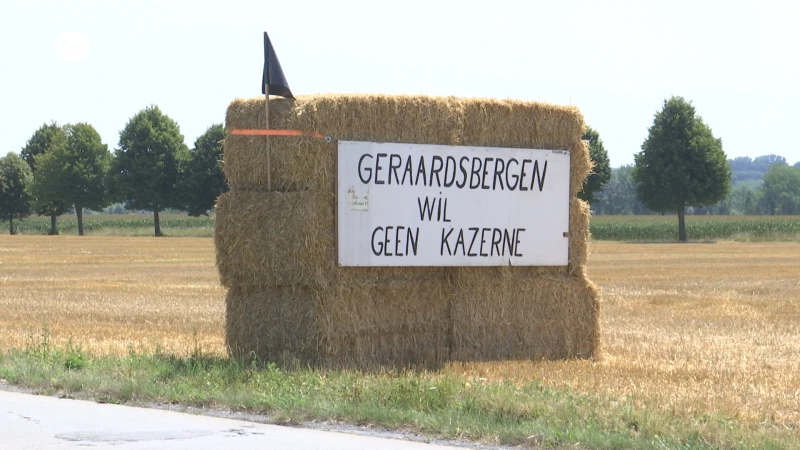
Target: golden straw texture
288, 299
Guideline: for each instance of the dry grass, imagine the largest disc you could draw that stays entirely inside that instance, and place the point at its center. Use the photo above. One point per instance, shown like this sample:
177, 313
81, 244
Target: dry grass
695, 329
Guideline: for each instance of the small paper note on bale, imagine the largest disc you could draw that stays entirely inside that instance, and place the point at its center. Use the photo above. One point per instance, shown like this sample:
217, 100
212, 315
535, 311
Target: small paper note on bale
402, 296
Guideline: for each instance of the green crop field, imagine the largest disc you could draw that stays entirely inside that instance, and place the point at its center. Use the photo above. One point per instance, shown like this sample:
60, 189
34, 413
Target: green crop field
665, 228
604, 228
121, 225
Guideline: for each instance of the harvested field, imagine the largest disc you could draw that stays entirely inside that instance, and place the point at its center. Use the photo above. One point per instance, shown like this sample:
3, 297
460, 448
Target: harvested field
697, 329
692, 328
111, 292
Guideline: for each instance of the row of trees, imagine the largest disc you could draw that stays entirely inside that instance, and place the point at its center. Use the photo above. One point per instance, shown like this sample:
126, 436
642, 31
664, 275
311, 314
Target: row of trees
680, 169
681, 166
752, 171
69, 167
776, 192
62, 168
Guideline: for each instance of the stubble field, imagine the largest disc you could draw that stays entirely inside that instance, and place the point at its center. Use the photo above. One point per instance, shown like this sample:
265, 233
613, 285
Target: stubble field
694, 329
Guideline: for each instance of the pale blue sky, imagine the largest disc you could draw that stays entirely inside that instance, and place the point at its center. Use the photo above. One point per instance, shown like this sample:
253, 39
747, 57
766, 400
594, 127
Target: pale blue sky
736, 61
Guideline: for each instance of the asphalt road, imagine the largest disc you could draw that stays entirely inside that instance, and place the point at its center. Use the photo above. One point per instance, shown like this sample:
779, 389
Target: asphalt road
42, 422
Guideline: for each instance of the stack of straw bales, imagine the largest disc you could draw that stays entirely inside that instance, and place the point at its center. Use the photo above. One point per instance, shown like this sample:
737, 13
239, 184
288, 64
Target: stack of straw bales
288, 300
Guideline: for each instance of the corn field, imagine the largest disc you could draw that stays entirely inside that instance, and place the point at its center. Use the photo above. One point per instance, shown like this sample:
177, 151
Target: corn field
123, 224
665, 228
603, 228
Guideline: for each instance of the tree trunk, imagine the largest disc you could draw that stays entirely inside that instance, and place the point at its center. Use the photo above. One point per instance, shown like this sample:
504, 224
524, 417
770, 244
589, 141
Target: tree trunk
79, 212
53, 230
158, 223
11, 226
682, 223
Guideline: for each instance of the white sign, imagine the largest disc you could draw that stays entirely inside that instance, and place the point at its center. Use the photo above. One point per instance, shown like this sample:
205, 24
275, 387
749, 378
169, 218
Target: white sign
436, 205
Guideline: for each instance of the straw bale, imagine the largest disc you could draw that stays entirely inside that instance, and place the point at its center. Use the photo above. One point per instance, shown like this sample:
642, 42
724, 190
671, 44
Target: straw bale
579, 213
276, 251
365, 326
276, 324
415, 119
296, 163
267, 239
504, 313
580, 165
310, 163
274, 238
292, 159
519, 124
284, 238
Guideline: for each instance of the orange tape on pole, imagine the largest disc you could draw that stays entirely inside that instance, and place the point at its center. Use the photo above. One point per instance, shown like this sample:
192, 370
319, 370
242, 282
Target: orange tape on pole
277, 133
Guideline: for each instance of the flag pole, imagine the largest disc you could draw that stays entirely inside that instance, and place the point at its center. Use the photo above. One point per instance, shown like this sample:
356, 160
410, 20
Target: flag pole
266, 116
272, 78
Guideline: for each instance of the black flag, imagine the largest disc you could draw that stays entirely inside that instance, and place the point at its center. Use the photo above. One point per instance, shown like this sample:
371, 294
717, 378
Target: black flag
273, 74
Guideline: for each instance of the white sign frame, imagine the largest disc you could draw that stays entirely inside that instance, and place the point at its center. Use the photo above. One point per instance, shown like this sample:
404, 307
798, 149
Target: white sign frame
392, 220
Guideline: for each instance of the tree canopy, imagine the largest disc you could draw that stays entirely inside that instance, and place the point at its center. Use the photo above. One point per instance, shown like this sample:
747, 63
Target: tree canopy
148, 160
764, 162
40, 143
74, 171
781, 194
618, 196
202, 180
601, 172
15, 198
681, 163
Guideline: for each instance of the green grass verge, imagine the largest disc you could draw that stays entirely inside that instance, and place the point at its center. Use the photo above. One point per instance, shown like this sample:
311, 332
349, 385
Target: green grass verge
437, 404
665, 228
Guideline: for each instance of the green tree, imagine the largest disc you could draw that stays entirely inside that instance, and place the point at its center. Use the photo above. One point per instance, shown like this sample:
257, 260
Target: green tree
781, 190
741, 163
601, 172
744, 200
681, 163
797, 165
764, 162
201, 181
15, 198
149, 158
74, 171
618, 196
40, 143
